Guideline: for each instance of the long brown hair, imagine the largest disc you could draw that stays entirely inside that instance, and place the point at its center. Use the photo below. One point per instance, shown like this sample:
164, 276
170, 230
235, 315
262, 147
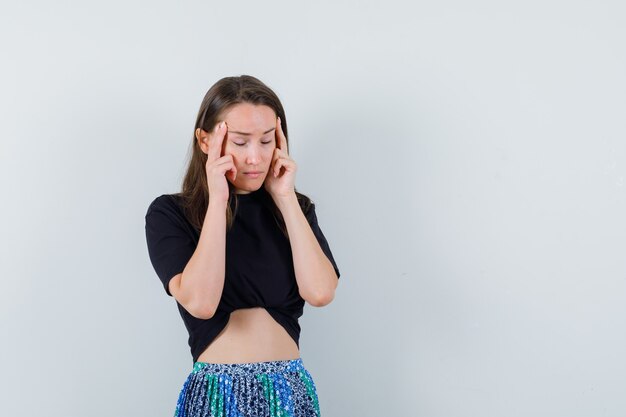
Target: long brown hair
224, 94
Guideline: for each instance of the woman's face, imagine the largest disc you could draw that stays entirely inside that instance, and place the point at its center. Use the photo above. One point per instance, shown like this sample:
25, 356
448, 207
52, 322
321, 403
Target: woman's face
251, 141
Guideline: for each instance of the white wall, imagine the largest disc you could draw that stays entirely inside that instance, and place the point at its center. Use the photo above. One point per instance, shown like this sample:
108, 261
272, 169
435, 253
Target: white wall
472, 191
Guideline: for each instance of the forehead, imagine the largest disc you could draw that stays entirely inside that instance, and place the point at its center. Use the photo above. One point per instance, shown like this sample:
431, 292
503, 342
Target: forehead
250, 118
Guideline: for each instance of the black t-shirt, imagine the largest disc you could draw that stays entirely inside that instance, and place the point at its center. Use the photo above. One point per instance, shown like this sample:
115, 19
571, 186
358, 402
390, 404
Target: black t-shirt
259, 270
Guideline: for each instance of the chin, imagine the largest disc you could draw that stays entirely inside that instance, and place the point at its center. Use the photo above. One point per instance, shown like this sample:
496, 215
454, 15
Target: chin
247, 188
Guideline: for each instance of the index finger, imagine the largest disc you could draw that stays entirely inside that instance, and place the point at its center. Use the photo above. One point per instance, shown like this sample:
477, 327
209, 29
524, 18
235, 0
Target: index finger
281, 141
216, 141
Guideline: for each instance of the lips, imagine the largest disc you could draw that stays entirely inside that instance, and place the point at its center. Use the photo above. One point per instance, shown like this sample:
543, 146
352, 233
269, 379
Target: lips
252, 172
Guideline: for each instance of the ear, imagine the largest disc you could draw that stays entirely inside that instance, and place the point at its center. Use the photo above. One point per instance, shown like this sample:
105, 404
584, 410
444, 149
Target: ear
201, 138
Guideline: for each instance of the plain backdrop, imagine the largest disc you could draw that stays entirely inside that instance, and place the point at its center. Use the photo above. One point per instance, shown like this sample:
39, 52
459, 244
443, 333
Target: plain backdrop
467, 160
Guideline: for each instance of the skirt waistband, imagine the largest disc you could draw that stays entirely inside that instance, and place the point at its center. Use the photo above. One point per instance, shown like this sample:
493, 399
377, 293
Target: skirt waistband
249, 368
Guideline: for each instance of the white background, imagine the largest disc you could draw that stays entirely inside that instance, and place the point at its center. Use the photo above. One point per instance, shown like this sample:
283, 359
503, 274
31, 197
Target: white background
467, 160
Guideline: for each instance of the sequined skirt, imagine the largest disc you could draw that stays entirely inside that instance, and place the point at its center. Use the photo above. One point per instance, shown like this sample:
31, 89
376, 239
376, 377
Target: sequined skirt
281, 388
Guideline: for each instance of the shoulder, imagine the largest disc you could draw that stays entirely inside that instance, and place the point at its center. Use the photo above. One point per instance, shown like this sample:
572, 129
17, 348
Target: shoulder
308, 208
165, 203
306, 204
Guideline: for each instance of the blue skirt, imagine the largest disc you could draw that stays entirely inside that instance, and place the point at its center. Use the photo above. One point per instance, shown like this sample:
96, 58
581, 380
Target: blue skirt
281, 388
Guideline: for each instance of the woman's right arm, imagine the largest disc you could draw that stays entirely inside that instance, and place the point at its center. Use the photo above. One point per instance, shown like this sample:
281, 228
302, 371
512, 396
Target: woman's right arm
199, 287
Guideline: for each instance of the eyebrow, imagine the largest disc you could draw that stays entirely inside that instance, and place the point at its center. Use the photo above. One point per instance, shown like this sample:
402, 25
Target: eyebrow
249, 134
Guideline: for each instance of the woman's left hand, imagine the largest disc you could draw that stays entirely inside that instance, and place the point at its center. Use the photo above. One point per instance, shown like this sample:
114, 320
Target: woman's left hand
281, 177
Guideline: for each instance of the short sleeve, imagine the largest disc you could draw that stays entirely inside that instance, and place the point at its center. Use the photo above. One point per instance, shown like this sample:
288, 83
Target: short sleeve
317, 231
170, 246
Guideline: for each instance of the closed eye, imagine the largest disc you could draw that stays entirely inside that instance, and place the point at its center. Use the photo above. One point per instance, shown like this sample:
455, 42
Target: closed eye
241, 144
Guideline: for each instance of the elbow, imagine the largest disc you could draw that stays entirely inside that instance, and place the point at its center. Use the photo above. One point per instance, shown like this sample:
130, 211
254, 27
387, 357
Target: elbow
322, 299
201, 311
194, 303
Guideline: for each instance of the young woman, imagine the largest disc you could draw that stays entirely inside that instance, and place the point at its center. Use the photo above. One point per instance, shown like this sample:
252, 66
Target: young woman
241, 250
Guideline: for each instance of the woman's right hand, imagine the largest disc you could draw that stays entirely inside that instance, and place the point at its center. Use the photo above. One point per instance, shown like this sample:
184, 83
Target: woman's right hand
217, 164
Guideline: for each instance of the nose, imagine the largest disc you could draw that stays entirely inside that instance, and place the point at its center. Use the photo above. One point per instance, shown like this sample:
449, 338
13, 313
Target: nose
253, 155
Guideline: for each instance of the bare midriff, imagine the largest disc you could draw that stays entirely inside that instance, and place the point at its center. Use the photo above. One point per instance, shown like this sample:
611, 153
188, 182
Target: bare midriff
251, 335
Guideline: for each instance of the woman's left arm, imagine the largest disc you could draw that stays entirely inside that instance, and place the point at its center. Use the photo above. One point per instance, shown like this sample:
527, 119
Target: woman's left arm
315, 273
